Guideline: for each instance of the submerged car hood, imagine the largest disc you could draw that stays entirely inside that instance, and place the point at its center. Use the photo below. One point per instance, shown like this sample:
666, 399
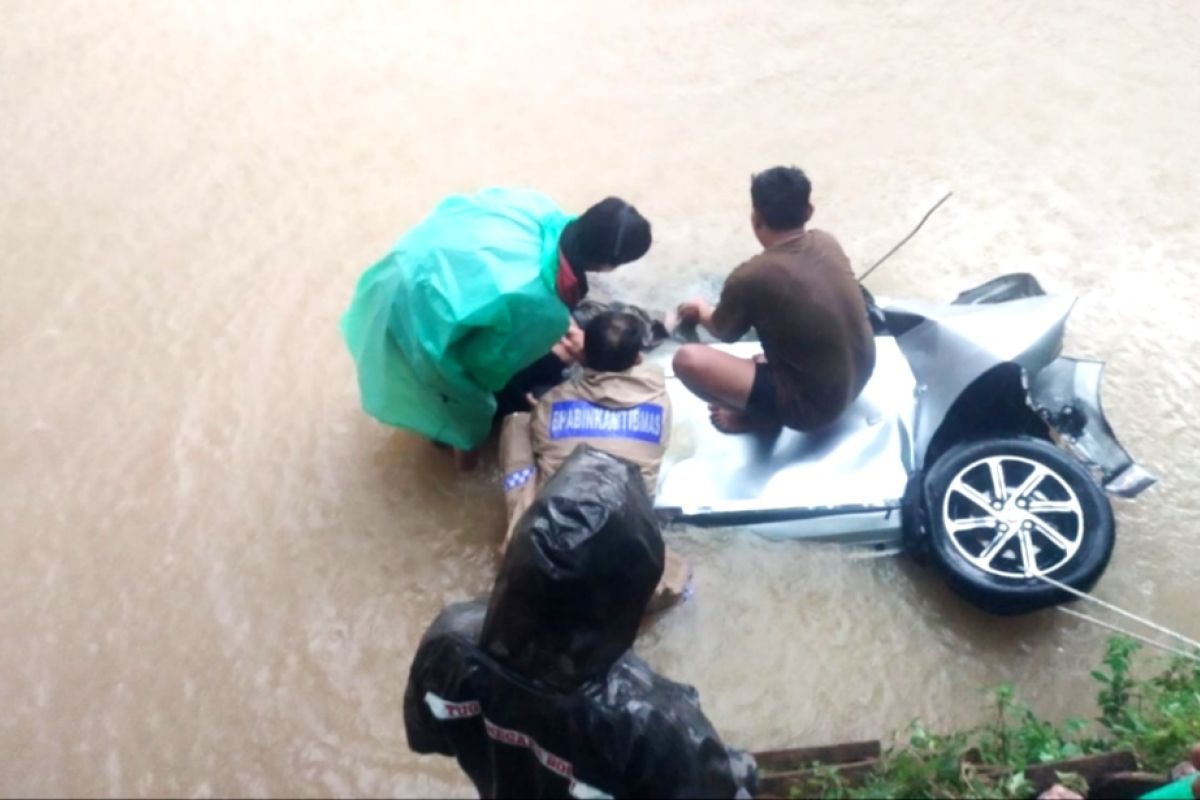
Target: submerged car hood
577, 574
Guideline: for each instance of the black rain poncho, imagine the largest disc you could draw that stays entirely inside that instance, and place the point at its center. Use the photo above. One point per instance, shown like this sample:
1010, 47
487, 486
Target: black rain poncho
536, 693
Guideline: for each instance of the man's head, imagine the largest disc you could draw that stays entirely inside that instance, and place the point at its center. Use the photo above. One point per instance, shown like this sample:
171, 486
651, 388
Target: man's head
609, 234
781, 201
612, 341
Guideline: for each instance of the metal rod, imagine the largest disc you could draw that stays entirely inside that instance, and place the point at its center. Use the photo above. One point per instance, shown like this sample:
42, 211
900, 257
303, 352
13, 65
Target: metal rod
902, 242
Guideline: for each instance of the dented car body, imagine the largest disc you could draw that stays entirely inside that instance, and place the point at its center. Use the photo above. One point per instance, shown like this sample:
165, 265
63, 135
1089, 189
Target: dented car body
985, 371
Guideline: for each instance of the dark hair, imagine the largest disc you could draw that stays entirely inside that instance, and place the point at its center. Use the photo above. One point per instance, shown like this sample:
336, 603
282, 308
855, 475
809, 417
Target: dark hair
612, 341
612, 232
781, 196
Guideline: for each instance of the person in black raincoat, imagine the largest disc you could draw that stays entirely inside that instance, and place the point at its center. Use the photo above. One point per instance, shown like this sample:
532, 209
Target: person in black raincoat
536, 693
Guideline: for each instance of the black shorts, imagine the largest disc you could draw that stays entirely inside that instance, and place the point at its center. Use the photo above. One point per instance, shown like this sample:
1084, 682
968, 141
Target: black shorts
762, 401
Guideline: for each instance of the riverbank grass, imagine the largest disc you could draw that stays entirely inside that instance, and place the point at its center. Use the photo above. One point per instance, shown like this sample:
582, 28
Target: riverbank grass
1156, 717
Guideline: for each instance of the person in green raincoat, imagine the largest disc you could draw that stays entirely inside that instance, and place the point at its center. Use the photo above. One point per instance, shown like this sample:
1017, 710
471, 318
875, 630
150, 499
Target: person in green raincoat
479, 290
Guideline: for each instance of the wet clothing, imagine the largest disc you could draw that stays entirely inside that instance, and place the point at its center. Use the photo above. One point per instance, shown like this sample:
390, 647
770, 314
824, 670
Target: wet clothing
654, 329
536, 379
464, 300
801, 298
548, 371
536, 693
625, 413
763, 392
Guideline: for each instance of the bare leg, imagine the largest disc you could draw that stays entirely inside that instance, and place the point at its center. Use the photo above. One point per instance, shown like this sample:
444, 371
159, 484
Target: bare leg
675, 584
715, 376
725, 382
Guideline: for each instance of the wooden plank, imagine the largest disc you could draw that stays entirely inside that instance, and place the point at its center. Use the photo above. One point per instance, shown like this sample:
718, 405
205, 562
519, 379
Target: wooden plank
798, 758
1090, 767
782, 771
806, 783
1121, 785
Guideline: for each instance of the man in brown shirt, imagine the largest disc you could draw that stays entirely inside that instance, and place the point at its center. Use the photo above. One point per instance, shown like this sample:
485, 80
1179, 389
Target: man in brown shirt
801, 297
618, 405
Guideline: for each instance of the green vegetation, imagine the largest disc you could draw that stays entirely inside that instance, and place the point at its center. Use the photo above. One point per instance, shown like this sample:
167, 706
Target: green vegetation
1158, 718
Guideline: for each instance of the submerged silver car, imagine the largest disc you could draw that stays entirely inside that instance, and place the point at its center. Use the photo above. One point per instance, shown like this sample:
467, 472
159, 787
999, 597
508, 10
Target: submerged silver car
975, 442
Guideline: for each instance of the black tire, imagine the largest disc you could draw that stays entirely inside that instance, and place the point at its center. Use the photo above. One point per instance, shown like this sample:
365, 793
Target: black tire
986, 563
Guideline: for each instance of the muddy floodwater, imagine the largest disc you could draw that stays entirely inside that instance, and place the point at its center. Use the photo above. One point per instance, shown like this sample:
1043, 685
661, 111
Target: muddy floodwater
214, 569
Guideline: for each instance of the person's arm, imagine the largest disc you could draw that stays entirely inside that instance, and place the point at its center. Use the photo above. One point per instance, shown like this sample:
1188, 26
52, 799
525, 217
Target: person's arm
678, 758
674, 750
437, 667
569, 349
514, 331
697, 311
730, 320
519, 469
424, 733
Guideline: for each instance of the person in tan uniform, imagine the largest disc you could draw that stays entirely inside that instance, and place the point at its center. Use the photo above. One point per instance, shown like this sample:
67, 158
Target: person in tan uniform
800, 295
618, 405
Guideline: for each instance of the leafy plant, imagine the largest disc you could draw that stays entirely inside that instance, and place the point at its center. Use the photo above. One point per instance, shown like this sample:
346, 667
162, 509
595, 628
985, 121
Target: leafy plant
1119, 689
1157, 718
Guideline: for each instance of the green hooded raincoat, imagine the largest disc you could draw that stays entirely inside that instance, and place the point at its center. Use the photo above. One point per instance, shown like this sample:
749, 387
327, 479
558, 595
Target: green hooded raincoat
462, 303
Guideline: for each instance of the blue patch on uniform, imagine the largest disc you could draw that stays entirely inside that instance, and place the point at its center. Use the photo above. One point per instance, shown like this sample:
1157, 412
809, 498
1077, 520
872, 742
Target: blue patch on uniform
518, 478
579, 419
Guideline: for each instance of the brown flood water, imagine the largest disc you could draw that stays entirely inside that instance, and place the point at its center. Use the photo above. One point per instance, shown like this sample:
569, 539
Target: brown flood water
214, 569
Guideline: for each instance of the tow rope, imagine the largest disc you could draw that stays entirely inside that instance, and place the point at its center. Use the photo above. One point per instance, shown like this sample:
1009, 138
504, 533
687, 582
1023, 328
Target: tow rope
1191, 643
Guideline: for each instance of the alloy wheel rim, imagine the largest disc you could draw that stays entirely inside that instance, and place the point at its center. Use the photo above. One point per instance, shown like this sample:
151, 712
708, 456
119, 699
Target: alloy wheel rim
1013, 517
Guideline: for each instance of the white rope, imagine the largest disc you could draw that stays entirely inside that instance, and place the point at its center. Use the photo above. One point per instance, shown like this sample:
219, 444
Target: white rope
1130, 634
1085, 596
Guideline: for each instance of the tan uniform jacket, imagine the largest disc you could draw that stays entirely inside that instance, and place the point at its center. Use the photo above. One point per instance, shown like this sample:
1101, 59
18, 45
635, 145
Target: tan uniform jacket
625, 413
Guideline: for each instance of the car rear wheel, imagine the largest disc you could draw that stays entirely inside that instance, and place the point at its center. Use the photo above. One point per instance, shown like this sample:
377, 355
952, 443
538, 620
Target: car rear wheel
1002, 513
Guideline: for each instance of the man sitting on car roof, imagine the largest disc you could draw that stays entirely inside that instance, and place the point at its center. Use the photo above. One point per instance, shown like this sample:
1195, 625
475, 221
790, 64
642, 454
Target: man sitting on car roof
802, 299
